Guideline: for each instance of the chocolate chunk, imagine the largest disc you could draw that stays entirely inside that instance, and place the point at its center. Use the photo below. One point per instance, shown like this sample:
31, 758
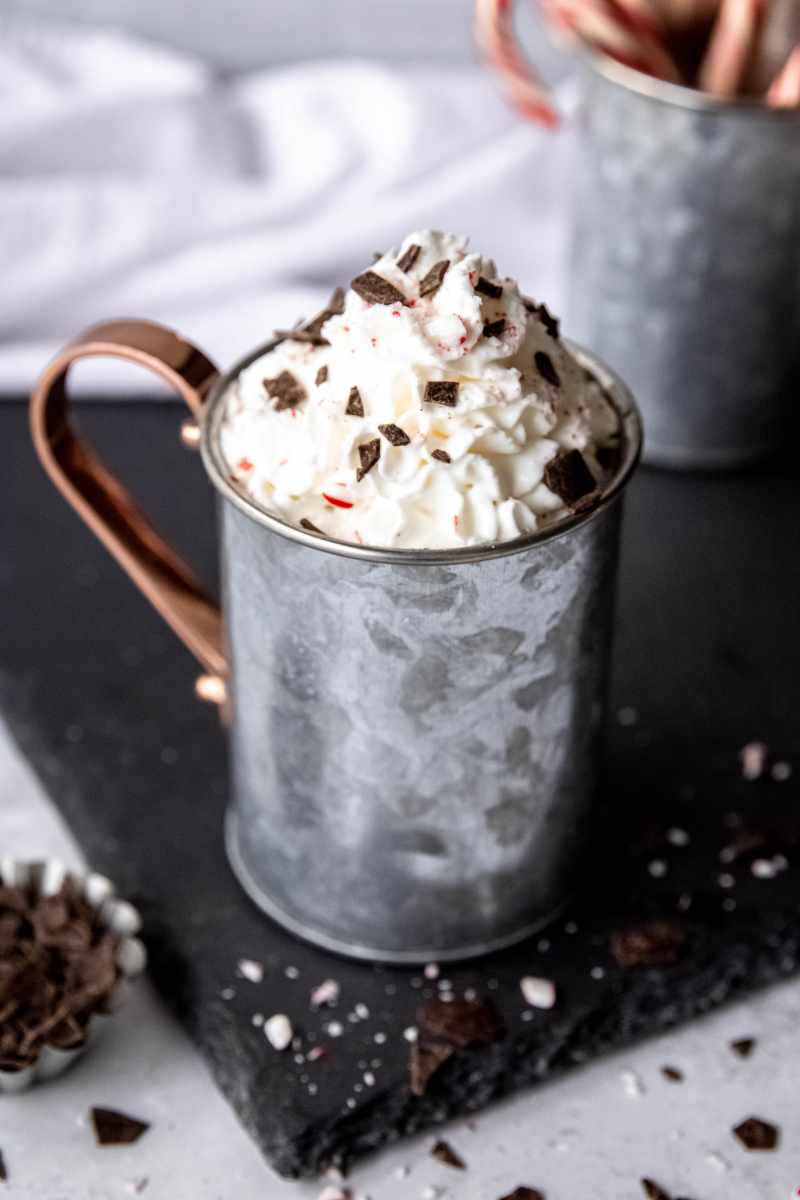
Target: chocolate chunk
369, 453
3, 1171
494, 328
457, 1022
568, 476
306, 524
524, 1193
550, 322
651, 944
447, 1155
355, 405
395, 435
743, 1047
433, 280
487, 288
285, 390
442, 456
426, 1058
407, 260
112, 1128
301, 334
322, 376
653, 1191
376, 290
441, 391
672, 1074
755, 1134
544, 365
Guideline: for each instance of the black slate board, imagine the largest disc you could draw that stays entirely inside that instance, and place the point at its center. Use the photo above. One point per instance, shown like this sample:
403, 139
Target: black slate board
99, 696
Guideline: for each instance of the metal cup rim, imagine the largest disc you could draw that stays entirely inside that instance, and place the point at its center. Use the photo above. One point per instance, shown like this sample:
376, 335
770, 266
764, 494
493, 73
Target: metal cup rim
618, 392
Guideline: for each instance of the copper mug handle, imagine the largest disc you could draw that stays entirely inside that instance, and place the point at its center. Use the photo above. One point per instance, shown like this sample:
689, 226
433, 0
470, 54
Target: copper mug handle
107, 507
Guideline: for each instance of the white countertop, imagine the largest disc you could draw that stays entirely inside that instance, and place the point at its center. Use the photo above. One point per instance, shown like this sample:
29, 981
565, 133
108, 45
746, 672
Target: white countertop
594, 1133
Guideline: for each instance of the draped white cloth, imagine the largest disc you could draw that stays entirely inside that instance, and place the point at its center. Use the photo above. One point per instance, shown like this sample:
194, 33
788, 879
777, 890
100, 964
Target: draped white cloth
135, 182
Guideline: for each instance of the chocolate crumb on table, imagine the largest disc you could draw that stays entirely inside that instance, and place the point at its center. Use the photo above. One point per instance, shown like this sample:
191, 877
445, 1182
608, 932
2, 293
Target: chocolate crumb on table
375, 289
113, 1128
569, 477
285, 390
434, 279
447, 1155
743, 1047
672, 1074
3, 1171
407, 260
355, 405
445, 1027
653, 1192
649, 944
757, 1134
486, 288
395, 435
368, 453
441, 391
524, 1193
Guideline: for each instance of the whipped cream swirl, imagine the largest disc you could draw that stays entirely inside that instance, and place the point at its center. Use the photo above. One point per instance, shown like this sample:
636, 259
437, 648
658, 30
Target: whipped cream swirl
433, 407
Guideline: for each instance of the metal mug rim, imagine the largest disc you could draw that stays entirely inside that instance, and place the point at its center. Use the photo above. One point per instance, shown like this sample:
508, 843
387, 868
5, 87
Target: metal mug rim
619, 394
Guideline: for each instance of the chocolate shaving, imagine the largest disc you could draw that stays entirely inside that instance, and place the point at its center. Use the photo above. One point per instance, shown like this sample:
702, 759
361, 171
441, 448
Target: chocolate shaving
112, 1128
743, 1047
306, 524
395, 435
608, 457
651, 944
301, 334
524, 1193
425, 1062
544, 365
3, 1171
322, 376
485, 286
311, 332
653, 1191
755, 1134
445, 1027
442, 456
494, 328
355, 405
672, 1074
550, 322
285, 390
407, 260
447, 1155
568, 476
441, 391
368, 453
376, 290
433, 280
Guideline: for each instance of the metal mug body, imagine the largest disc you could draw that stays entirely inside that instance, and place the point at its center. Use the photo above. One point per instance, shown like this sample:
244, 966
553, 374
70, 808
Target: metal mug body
414, 735
685, 262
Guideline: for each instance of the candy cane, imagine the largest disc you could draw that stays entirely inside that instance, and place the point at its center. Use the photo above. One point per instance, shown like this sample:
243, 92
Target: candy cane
784, 92
730, 47
495, 36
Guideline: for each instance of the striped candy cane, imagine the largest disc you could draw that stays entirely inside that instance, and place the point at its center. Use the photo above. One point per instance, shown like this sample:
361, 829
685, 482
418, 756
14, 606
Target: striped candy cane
731, 47
784, 92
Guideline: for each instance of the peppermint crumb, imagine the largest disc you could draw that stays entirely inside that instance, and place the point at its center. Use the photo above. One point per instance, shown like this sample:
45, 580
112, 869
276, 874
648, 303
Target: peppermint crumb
538, 993
753, 758
278, 1031
781, 772
251, 970
432, 971
326, 993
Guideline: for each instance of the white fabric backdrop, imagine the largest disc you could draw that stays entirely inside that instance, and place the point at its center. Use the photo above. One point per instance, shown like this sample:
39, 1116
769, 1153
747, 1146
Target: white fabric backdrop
133, 182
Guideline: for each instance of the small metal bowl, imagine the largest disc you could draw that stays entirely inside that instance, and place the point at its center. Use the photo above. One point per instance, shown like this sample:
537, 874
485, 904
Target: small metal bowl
117, 915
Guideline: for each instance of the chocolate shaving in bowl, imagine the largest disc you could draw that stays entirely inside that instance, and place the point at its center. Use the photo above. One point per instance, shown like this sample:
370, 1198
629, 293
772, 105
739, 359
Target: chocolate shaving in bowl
441, 455
651, 944
301, 334
568, 476
608, 457
355, 405
312, 330
285, 390
743, 1047
395, 435
376, 290
408, 258
112, 1128
322, 376
544, 365
431, 283
755, 1134
485, 286
306, 524
524, 1193
550, 322
653, 1192
494, 328
447, 1155
441, 391
58, 968
368, 453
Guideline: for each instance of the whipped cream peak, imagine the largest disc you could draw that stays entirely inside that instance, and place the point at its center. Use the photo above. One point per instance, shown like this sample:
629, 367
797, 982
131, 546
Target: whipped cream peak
430, 406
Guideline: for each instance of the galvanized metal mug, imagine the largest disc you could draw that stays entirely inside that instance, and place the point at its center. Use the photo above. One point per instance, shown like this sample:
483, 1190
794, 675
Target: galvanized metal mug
414, 734
685, 250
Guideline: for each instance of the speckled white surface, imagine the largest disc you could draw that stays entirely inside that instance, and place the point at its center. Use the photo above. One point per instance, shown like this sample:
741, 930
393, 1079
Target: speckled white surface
592, 1133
